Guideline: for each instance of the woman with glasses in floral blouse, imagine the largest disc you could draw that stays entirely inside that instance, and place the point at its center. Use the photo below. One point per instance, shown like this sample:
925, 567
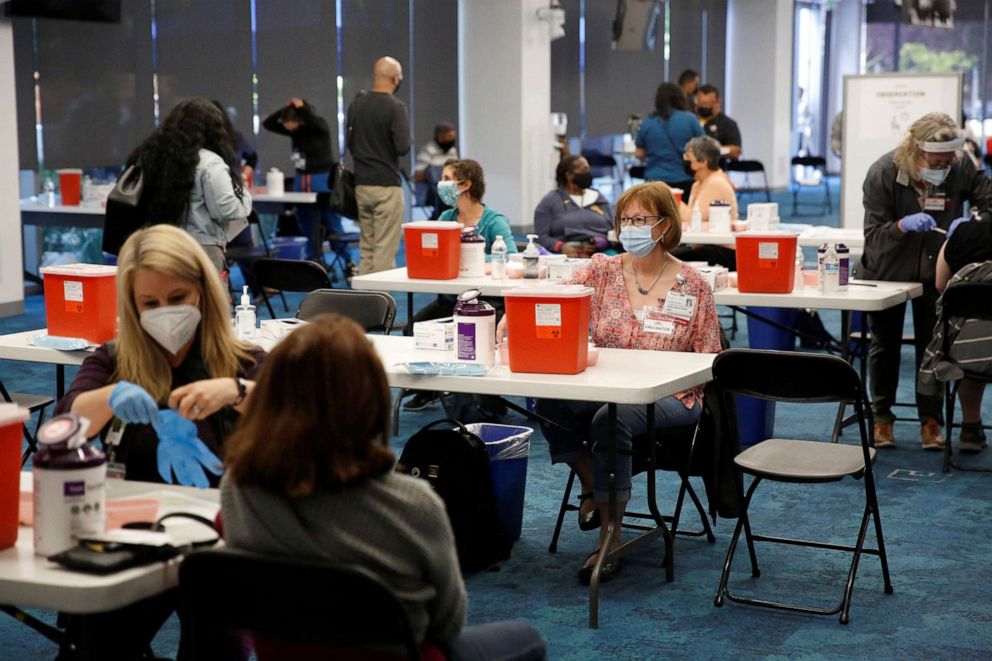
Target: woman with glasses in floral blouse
643, 299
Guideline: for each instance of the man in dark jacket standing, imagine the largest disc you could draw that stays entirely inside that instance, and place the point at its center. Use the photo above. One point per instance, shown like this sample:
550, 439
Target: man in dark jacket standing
910, 194
378, 135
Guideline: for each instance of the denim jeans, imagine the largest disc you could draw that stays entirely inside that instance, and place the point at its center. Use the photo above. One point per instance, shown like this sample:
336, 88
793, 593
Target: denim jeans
589, 428
498, 641
307, 215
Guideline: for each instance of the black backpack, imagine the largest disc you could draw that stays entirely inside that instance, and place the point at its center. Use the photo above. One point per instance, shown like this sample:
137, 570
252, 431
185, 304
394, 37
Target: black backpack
456, 464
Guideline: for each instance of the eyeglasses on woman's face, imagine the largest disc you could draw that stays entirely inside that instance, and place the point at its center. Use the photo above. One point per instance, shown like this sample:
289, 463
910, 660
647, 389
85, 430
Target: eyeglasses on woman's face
639, 221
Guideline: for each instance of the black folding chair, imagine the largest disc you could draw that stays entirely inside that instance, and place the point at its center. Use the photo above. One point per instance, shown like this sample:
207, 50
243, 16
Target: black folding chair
747, 168
972, 301
285, 601
373, 310
34, 404
820, 165
246, 254
806, 378
289, 275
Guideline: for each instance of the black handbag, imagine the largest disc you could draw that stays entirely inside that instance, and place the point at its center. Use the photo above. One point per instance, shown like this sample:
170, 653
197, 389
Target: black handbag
125, 212
343, 198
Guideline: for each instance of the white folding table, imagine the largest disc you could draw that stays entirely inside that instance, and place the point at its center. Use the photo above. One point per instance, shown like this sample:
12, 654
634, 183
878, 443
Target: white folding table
810, 236
619, 377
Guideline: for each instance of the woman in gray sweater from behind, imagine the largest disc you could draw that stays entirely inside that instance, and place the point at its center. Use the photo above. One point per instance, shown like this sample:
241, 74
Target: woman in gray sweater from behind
309, 474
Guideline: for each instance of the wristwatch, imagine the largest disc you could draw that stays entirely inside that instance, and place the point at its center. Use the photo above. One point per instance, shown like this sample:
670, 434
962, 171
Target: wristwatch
242, 390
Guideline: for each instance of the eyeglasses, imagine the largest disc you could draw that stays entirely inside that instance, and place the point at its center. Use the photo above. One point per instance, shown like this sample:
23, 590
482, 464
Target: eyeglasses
639, 221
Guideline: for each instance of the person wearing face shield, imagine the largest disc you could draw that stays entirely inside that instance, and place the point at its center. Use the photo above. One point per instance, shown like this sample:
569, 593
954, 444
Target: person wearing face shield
575, 218
644, 299
169, 389
910, 194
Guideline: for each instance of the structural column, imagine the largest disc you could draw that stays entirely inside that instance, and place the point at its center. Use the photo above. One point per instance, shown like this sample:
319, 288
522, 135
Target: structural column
11, 279
504, 102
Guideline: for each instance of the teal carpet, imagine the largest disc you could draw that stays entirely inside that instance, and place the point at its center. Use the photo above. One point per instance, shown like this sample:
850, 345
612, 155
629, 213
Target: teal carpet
936, 526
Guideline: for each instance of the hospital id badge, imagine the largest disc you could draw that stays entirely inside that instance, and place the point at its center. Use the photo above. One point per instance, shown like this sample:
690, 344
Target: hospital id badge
657, 321
935, 203
116, 469
679, 306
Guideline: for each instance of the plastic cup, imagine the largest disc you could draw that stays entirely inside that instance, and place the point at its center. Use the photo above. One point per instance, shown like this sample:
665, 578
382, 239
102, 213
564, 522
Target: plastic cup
70, 183
12, 419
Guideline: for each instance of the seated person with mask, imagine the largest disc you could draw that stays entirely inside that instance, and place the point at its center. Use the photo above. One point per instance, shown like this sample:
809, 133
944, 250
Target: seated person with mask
575, 218
430, 159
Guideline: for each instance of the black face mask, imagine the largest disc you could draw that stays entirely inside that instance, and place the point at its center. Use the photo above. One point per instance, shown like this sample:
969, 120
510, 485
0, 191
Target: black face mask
705, 112
446, 145
397, 90
582, 179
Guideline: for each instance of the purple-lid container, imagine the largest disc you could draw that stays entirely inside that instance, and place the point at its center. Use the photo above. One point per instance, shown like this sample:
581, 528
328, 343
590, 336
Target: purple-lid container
59, 447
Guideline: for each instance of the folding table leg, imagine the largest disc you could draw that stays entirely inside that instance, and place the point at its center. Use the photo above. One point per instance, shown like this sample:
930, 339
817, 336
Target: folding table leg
614, 522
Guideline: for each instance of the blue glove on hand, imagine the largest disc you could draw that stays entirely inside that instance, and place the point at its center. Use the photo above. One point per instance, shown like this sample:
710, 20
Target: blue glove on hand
954, 225
918, 222
132, 404
181, 452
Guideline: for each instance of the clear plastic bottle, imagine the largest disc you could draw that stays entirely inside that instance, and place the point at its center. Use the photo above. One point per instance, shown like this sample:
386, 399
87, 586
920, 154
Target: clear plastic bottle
532, 268
799, 283
497, 257
696, 219
49, 188
245, 317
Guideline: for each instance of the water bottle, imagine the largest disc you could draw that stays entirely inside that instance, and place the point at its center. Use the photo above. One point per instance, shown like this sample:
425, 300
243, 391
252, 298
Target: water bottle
696, 219
844, 273
497, 256
49, 188
799, 283
830, 275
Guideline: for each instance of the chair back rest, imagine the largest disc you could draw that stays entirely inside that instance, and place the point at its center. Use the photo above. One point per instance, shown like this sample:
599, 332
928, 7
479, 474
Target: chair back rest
810, 161
290, 274
373, 310
737, 165
286, 600
787, 376
969, 300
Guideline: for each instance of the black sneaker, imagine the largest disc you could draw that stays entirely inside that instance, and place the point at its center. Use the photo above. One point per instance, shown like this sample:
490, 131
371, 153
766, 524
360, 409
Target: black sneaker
972, 439
421, 400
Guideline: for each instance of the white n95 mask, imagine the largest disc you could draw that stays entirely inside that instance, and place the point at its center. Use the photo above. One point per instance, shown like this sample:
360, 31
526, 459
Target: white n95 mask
171, 326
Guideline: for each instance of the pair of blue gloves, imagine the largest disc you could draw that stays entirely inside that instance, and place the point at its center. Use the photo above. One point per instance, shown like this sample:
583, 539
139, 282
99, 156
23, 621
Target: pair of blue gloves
924, 222
180, 451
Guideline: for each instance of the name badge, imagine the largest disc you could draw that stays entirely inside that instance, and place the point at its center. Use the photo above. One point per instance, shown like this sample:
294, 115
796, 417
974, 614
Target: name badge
934, 203
115, 433
680, 306
659, 326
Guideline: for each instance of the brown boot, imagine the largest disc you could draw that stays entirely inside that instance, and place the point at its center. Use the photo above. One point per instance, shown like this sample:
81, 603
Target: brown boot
883, 435
930, 435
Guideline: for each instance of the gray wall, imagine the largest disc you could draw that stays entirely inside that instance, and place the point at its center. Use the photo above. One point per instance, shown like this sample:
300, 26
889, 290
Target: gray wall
621, 83
97, 87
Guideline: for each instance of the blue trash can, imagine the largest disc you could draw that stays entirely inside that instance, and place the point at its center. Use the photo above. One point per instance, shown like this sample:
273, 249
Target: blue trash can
289, 247
756, 417
508, 447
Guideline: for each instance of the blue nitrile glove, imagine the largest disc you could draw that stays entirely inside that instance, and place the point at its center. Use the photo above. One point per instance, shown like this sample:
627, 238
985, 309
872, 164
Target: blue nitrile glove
132, 404
918, 222
954, 225
181, 451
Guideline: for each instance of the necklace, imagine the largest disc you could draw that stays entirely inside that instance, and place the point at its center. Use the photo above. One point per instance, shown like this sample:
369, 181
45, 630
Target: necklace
642, 290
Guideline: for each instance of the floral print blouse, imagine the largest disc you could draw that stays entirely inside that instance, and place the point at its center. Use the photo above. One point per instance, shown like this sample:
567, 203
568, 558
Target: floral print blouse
613, 324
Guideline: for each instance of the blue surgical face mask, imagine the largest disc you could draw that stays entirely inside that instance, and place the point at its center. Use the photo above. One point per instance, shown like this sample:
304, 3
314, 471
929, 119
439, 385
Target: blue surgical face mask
935, 176
448, 192
638, 240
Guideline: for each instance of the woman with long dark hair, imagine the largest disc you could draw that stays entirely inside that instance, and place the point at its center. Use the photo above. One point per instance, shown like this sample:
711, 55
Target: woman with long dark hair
191, 175
663, 136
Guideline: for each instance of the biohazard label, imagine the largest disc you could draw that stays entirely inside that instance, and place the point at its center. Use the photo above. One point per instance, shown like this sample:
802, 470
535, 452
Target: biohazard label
547, 320
429, 244
73, 294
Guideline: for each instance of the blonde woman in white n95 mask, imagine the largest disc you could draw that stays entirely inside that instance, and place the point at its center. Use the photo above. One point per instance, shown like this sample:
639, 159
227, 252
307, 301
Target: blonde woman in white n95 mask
175, 370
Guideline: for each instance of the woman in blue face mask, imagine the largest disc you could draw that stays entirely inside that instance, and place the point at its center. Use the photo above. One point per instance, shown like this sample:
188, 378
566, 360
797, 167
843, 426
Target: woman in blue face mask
175, 356
644, 299
919, 187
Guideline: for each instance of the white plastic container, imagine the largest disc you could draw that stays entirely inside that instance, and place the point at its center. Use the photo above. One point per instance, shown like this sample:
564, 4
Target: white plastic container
69, 485
719, 217
275, 182
472, 263
475, 329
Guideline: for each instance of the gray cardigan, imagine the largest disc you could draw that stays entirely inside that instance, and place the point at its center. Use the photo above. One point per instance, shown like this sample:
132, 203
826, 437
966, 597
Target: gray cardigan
393, 525
213, 203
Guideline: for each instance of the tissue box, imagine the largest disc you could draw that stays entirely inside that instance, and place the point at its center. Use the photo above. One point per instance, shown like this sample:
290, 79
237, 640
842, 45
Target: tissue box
277, 329
437, 334
563, 269
762, 215
715, 276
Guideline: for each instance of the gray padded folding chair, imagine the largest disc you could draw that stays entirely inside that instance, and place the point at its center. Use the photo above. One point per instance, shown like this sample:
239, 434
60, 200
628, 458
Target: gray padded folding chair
806, 378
